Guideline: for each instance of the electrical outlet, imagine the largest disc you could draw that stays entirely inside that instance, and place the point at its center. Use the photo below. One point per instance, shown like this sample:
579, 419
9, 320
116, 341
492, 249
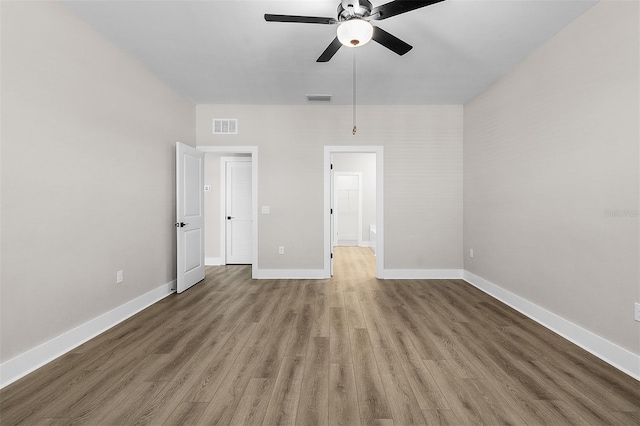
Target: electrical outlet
636, 314
119, 276
281, 250
470, 252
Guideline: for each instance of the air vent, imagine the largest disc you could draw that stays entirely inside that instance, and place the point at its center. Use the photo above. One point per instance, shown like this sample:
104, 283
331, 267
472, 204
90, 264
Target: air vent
225, 126
319, 98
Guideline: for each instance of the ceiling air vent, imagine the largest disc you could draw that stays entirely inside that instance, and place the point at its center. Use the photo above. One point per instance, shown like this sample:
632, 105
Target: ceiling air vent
319, 98
225, 126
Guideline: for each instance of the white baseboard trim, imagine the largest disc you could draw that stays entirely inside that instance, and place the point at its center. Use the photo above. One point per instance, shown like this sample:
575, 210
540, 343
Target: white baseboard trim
213, 261
618, 357
290, 274
421, 274
607, 351
25, 363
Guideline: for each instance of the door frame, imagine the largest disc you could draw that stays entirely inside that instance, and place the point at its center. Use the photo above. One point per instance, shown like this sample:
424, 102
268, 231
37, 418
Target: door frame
223, 203
335, 199
253, 151
379, 151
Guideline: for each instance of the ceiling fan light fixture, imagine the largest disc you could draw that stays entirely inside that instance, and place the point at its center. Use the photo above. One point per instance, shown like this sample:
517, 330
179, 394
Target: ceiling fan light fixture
355, 32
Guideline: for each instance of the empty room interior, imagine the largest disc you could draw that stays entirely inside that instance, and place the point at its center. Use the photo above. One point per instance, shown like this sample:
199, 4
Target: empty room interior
410, 212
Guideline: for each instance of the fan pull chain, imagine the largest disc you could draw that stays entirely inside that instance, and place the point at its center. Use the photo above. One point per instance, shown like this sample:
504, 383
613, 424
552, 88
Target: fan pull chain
355, 128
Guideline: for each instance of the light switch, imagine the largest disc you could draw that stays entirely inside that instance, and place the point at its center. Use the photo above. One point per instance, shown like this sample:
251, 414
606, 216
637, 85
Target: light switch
266, 209
207, 188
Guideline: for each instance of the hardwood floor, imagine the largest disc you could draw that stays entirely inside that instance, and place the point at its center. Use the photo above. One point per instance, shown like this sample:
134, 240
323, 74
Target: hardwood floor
346, 351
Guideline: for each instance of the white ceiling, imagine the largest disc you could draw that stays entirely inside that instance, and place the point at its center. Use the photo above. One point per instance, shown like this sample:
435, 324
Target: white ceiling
224, 52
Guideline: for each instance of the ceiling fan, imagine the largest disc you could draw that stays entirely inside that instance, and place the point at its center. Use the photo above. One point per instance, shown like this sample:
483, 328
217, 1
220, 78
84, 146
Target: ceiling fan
355, 28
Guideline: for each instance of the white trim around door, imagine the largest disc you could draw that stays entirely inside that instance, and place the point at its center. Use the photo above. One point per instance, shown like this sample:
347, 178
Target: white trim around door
253, 151
379, 151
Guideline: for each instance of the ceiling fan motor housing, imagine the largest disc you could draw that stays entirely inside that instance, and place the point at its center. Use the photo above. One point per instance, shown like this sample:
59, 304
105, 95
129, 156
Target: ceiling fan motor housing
349, 9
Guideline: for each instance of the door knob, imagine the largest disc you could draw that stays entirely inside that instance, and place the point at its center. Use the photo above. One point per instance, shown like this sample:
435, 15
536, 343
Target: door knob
181, 225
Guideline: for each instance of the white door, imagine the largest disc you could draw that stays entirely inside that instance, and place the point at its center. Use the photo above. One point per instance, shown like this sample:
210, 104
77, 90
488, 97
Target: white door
238, 212
189, 215
348, 209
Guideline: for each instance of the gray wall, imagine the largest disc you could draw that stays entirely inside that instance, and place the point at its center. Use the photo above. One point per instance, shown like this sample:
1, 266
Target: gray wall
548, 151
422, 177
88, 175
212, 206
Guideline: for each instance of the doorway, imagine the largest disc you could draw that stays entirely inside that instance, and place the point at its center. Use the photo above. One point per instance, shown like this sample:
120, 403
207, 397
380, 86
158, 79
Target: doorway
215, 203
351, 160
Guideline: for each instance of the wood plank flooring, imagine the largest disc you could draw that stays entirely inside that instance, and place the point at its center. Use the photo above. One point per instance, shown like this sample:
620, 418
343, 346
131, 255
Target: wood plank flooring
346, 351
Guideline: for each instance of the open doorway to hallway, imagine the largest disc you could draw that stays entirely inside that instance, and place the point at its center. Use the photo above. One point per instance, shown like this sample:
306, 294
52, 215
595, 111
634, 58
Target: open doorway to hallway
354, 202
354, 199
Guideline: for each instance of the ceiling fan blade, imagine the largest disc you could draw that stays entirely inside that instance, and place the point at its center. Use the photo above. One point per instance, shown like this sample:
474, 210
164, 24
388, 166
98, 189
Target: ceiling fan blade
330, 51
390, 41
399, 6
299, 19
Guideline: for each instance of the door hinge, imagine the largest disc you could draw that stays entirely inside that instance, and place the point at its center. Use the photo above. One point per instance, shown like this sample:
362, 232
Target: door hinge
332, 167
331, 211
332, 255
